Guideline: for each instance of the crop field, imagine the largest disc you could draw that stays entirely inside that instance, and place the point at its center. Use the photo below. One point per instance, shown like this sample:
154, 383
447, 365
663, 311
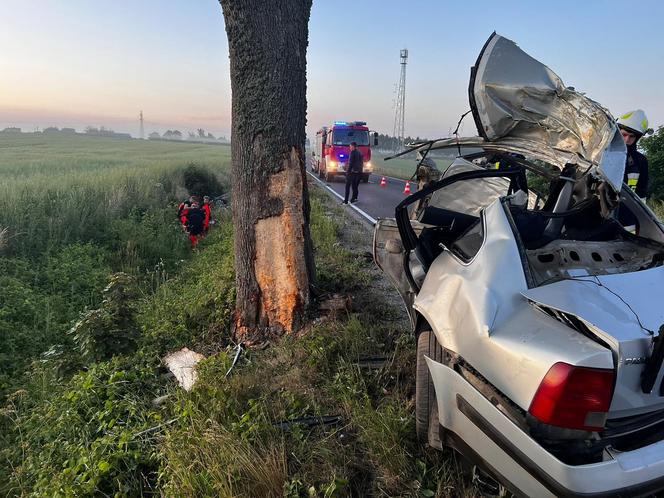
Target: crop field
73, 209
404, 166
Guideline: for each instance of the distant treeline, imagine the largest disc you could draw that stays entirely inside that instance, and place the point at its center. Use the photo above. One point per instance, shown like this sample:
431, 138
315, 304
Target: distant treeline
388, 143
90, 131
200, 136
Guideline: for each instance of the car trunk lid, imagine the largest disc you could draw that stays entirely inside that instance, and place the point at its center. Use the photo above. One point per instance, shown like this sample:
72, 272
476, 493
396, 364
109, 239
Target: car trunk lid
622, 311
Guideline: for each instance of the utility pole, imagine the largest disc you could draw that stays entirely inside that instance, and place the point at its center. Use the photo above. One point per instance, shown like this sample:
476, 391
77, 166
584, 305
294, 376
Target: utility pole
400, 107
142, 132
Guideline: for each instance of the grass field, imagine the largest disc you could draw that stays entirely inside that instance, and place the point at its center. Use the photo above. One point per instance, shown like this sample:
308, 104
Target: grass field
35, 160
404, 167
74, 209
79, 420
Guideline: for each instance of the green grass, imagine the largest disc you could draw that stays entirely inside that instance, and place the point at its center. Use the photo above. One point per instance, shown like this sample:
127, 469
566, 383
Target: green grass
97, 432
80, 425
73, 209
658, 209
80, 159
404, 166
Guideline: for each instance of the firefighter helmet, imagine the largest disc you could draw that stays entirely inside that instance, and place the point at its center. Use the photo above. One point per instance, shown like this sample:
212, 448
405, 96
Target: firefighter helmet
635, 121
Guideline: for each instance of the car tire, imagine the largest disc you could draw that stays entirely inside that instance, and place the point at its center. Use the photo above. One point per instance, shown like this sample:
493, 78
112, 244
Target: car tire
365, 178
329, 177
425, 394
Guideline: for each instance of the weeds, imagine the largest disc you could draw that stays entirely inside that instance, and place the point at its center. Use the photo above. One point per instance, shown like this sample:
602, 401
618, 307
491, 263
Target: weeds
97, 431
75, 209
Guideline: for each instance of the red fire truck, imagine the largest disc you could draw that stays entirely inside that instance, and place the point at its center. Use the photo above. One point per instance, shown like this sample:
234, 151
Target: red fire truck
332, 149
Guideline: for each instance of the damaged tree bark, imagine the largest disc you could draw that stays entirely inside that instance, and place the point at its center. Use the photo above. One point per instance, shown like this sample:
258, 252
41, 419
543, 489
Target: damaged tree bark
273, 251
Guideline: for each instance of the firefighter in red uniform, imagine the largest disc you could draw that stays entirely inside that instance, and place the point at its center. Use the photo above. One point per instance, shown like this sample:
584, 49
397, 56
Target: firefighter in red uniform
208, 214
195, 221
183, 208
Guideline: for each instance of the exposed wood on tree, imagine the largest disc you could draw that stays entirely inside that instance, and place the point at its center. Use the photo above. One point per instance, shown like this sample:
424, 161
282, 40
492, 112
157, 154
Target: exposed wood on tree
273, 251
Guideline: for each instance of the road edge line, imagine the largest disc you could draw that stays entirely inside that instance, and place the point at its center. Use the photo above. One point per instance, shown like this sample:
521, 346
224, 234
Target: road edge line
365, 215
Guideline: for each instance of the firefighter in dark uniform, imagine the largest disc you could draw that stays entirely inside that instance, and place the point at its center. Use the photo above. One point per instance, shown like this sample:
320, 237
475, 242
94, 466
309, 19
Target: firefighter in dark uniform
633, 125
353, 172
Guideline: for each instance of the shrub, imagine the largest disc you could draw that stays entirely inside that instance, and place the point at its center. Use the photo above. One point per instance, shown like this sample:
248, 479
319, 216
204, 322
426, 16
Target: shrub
93, 437
200, 182
110, 330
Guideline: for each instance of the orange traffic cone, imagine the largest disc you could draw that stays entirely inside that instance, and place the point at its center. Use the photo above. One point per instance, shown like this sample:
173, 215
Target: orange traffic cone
406, 190
383, 182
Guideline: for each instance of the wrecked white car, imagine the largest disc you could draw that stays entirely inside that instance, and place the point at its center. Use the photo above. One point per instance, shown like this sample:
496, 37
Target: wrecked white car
538, 314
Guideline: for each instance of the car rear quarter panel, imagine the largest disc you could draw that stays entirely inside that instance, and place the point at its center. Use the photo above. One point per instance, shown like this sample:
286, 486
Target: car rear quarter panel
476, 309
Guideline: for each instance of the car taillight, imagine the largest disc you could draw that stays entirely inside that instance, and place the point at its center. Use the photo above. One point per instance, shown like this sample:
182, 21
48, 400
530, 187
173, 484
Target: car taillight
574, 397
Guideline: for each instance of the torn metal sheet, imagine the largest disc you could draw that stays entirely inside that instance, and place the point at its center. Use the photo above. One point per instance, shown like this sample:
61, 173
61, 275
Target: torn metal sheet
515, 96
471, 197
183, 365
543, 152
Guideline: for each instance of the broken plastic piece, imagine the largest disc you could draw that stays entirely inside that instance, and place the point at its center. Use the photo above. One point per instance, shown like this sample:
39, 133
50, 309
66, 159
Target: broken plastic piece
238, 349
183, 365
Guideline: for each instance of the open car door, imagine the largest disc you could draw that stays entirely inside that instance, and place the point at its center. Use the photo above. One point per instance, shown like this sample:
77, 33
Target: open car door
405, 248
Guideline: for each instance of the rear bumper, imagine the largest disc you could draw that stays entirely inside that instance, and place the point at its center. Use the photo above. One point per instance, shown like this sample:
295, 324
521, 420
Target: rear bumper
474, 425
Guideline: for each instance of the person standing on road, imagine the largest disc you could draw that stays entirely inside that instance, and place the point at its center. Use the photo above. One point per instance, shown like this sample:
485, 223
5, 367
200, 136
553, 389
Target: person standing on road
633, 125
353, 172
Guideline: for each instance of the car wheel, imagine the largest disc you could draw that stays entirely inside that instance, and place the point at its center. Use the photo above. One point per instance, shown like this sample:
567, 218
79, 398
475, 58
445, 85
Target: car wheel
425, 395
329, 177
365, 179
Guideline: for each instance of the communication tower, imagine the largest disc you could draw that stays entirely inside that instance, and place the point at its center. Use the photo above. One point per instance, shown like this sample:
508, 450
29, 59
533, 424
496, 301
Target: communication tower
142, 131
400, 106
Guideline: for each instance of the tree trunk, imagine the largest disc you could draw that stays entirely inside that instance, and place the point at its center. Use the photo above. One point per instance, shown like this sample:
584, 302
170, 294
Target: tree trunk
270, 201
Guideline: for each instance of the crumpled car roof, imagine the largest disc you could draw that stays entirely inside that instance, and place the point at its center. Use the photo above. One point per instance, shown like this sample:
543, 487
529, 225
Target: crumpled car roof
512, 95
521, 106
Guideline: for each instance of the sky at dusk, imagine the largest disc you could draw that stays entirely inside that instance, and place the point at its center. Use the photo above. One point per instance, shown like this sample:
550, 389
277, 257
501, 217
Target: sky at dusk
81, 62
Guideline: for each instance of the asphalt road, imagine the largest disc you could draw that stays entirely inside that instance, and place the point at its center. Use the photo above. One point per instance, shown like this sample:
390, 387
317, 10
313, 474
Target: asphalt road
373, 200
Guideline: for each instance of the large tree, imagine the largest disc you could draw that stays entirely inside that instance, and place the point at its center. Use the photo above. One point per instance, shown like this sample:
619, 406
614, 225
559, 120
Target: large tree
653, 147
274, 268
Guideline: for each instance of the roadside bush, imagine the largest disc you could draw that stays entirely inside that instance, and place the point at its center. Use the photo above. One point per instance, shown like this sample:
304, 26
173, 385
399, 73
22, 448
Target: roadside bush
66, 233
194, 308
95, 436
20, 326
199, 181
110, 330
653, 147
98, 434
73, 278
